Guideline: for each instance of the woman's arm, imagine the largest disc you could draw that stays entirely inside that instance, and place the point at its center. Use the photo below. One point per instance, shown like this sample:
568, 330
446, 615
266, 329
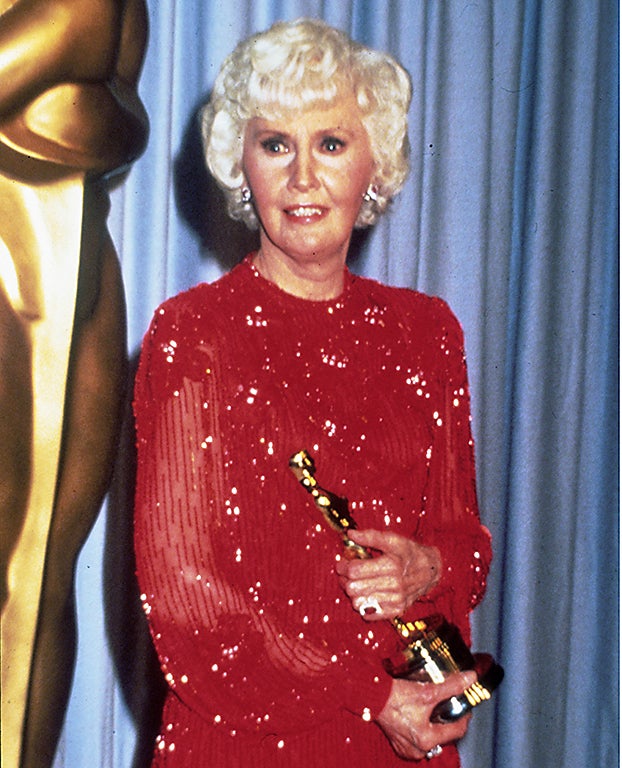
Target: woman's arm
443, 567
234, 656
452, 521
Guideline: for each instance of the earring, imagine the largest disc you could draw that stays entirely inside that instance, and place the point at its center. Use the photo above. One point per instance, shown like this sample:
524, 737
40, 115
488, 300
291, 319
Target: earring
372, 194
246, 195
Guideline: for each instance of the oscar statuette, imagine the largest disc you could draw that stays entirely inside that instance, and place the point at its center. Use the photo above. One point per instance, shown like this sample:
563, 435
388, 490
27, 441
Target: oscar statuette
431, 648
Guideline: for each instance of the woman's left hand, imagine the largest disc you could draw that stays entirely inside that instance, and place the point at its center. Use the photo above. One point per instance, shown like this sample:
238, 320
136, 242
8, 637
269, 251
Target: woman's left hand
387, 584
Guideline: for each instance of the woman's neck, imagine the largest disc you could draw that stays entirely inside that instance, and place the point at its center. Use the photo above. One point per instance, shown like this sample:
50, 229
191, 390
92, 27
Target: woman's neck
316, 281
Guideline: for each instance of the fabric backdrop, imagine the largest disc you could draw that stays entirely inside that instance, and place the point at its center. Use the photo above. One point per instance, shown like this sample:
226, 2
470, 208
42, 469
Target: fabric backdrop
511, 214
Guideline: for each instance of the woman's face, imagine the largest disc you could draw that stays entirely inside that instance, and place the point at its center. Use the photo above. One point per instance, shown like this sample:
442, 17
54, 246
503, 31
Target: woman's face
308, 172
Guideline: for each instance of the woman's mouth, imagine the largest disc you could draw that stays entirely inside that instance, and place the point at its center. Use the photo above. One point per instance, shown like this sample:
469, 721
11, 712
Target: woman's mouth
305, 211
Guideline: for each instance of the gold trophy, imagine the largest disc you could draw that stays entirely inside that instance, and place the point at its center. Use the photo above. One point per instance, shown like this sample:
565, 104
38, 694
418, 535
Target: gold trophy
431, 648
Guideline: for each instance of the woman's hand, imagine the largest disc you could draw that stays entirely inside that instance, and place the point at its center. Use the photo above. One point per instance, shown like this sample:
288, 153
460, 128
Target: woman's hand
405, 718
403, 572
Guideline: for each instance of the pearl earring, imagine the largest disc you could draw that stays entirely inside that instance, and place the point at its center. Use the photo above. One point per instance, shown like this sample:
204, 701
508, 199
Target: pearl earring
372, 194
246, 195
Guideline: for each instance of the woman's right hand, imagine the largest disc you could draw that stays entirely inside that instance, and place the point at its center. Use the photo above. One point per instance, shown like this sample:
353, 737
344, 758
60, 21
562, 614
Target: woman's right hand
405, 718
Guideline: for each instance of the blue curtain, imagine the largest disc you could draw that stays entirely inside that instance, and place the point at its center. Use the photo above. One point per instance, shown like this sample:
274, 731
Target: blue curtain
511, 214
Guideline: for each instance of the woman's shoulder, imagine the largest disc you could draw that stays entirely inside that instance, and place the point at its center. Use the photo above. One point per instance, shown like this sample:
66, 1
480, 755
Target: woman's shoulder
414, 306
189, 301
202, 301
186, 333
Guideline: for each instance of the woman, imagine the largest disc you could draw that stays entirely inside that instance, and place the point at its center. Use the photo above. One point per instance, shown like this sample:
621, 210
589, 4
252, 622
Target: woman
271, 642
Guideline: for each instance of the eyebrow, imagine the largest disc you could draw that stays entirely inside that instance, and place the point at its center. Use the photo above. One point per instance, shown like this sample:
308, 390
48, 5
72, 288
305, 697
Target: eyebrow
278, 132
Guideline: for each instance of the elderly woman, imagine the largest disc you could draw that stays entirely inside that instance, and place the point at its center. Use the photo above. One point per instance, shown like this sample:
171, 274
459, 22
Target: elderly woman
271, 642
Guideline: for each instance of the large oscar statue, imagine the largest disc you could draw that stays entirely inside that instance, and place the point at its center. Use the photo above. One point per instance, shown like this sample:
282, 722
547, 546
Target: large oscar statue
70, 121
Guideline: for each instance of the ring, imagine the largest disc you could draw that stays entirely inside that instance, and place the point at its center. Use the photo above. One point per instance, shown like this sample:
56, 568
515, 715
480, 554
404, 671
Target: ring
369, 605
434, 752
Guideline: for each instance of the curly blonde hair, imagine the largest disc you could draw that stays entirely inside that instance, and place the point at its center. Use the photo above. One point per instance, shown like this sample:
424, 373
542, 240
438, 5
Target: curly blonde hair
300, 64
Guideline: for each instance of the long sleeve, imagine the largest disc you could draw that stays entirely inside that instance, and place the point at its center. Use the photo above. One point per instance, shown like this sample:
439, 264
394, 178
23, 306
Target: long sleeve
239, 653
450, 518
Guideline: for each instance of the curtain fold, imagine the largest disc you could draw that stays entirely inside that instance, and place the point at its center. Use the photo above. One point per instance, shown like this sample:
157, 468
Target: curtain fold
511, 214
560, 410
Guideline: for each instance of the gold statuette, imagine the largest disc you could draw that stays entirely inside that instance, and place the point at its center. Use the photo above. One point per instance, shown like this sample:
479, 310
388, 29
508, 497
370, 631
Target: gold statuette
432, 648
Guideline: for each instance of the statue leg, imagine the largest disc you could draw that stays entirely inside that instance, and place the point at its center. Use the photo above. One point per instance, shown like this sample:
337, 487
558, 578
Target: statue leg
15, 433
95, 392
41, 230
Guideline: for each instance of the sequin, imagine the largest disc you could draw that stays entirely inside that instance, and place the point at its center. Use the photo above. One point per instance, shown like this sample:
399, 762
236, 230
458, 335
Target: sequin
267, 657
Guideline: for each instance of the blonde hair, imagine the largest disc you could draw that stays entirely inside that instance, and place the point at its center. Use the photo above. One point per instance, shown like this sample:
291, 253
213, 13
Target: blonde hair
299, 64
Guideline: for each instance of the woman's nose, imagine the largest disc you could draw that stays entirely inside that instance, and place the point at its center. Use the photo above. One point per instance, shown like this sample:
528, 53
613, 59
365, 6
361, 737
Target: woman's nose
303, 172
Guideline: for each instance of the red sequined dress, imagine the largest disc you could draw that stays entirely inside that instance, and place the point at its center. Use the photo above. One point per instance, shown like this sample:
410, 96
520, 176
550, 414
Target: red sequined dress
267, 662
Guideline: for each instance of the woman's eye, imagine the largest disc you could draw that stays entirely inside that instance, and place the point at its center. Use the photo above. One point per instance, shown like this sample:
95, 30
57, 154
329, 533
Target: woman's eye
274, 146
332, 144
